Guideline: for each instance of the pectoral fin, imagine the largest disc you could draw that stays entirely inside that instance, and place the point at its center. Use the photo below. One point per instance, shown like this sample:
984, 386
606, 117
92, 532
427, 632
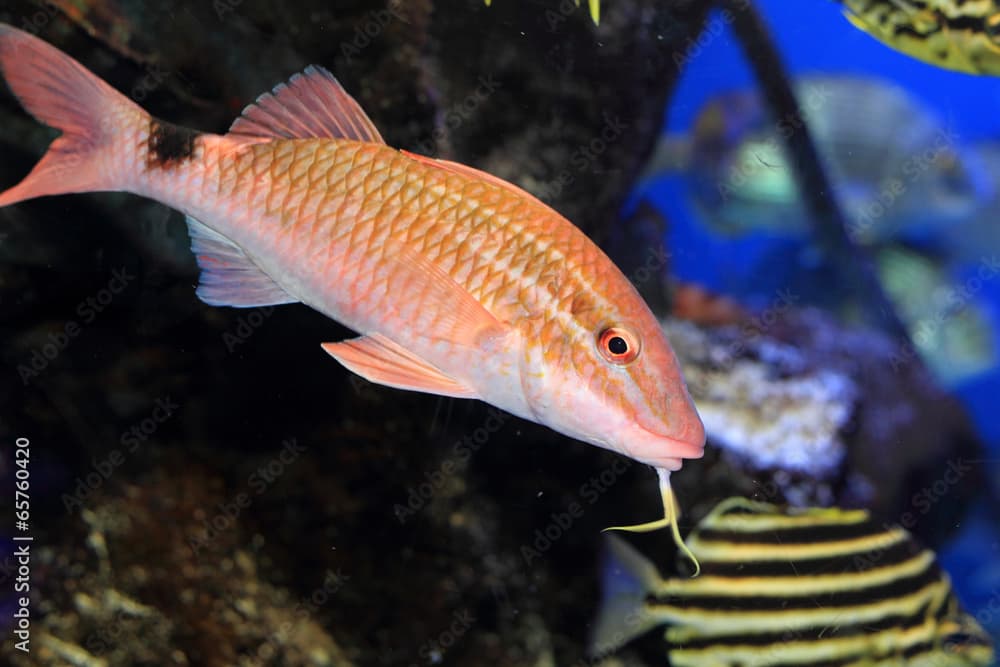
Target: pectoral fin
440, 309
378, 359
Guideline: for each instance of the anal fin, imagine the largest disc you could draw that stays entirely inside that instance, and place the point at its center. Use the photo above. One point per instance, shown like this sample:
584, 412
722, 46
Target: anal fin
380, 360
228, 276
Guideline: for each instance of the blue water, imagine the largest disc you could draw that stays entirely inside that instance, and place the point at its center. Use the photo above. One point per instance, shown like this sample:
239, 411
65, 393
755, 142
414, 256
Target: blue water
815, 38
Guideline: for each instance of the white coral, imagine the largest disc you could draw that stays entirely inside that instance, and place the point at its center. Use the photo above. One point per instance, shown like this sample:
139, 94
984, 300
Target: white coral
769, 418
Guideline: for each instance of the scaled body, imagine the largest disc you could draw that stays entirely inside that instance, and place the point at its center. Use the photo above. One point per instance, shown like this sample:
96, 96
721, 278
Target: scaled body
459, 283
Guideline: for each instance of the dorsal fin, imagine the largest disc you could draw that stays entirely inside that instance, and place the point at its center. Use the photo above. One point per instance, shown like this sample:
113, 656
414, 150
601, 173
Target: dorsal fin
312, 105
471, 172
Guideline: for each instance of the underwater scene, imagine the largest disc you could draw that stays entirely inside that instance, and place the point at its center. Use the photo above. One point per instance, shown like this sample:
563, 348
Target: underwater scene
537, 333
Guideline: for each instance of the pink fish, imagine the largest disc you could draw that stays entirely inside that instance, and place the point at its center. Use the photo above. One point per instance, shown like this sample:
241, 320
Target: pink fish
459, 283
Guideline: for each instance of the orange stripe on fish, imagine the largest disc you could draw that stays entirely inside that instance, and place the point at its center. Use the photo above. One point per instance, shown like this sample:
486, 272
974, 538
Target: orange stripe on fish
459, 283
696, 304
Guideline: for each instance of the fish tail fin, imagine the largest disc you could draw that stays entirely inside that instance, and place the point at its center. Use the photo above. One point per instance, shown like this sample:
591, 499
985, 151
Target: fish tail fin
628, 578
63, 94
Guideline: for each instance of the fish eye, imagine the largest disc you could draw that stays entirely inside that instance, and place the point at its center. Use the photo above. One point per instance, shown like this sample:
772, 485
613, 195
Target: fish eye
617, 345
992, 27
925, 21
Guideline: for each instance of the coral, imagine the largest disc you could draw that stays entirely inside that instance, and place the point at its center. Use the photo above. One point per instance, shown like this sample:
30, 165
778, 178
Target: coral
808, 411
127, 588
766, 407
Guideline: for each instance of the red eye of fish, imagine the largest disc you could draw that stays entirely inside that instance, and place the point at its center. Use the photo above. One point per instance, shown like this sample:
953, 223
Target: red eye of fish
618, 345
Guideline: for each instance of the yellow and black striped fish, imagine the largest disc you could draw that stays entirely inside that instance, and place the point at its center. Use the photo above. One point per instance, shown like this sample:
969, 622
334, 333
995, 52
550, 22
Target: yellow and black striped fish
783, 586
962, 35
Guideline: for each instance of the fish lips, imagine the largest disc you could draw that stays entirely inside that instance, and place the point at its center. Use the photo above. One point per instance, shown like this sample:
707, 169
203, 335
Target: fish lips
661, 450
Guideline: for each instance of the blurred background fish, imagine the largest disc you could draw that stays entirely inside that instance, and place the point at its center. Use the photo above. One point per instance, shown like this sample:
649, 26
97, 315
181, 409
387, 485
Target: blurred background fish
927, 294
916, 181
917, 197
793, 587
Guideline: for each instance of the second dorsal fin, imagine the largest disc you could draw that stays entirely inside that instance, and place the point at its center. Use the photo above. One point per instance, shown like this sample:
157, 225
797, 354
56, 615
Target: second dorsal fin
312, 105
471, 172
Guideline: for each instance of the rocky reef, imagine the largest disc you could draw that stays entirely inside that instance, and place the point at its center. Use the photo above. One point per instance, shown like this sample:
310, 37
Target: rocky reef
814, 413
369, 539
132, 587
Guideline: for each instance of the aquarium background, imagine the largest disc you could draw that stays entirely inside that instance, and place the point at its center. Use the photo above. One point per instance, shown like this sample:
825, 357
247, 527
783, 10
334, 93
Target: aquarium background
815, 39
210, 488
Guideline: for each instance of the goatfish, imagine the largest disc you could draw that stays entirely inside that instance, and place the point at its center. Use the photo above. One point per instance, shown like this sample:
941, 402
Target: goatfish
460, 284
783, 586
953, 34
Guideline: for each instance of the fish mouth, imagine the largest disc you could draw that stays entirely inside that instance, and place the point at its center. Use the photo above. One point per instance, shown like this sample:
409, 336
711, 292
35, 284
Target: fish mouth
666, 451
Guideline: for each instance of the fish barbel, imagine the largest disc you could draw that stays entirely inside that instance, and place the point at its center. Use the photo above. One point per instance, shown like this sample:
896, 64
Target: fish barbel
460, 283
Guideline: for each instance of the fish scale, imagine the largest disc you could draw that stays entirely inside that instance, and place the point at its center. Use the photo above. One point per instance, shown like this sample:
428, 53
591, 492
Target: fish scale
352, 217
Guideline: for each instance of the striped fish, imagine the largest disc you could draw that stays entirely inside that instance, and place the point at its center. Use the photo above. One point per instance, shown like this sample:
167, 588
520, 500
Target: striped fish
783, 586
962, 35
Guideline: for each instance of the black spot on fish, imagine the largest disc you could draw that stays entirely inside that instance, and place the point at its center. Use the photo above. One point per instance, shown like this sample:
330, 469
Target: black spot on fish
169, 144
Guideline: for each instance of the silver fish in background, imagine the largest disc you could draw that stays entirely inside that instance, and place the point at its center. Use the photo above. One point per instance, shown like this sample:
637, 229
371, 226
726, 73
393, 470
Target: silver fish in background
983, 234
924, 202
960, 35
783, 586
950, 326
